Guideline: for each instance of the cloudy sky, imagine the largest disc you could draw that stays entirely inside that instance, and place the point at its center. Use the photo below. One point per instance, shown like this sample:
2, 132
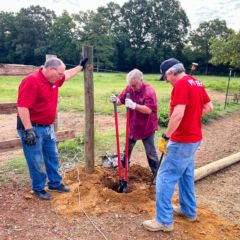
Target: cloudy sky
197, 10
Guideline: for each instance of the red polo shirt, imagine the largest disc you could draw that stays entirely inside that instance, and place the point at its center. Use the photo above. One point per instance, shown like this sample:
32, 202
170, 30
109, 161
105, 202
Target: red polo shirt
142, 125
40, 96
190, 92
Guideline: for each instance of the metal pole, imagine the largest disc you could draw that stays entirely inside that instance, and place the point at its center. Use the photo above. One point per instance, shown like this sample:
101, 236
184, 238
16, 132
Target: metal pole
89, 109
229, 78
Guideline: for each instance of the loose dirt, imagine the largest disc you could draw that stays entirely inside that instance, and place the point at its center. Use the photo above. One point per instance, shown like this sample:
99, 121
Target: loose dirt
119, 216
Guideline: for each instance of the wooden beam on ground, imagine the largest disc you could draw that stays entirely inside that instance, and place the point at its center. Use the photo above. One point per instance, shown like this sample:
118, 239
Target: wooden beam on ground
15, 144
215, 166
8, 108
89, 109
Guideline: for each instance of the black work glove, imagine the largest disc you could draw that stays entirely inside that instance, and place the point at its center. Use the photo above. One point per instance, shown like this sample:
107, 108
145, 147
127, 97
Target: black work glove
83, 62
30, 136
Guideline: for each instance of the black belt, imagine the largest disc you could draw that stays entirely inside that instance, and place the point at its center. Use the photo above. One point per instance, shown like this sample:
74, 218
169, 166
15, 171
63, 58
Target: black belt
39, 125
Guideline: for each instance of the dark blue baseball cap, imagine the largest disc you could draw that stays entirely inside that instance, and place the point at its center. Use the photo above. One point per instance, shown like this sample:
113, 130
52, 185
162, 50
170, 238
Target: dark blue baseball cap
166, 65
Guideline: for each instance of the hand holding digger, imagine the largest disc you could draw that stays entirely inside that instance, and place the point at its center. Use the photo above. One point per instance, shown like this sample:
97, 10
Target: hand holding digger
162, 145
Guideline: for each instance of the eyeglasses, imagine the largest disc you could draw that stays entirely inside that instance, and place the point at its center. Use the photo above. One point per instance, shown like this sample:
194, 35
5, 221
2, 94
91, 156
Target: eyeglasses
59, 73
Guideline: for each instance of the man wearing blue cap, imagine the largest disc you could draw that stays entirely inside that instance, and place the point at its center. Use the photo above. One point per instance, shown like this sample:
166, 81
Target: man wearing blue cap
189, 101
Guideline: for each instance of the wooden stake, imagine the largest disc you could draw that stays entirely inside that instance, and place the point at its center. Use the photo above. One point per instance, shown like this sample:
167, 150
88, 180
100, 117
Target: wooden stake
89, 109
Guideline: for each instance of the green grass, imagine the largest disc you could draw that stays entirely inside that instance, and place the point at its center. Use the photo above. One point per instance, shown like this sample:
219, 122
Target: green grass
71, 97
15, 168
220, 83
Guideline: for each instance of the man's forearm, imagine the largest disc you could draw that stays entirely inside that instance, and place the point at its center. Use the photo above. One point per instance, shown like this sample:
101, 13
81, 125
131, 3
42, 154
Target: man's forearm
72, 72
25, 117
208, 107
143, 109
173, 125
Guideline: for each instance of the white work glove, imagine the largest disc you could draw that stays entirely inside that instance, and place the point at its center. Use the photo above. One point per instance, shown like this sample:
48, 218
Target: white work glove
130, 103
113, 98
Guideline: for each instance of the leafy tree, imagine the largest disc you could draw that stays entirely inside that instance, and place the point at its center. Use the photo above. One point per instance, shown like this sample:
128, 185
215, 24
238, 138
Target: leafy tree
62, 39
95, 30
32, 26
226, 51
7, 36
201, 39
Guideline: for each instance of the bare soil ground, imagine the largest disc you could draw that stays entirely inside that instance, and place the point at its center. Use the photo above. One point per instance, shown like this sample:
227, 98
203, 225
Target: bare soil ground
119, 216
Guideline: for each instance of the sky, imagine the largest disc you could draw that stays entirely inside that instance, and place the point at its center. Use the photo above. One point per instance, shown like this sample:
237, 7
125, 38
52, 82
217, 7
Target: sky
196, 10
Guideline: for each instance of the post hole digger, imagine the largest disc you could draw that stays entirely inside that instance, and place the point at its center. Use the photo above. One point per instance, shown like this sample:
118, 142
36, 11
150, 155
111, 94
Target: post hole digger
123, 182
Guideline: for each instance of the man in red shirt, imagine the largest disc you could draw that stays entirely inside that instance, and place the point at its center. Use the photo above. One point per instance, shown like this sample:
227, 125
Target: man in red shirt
143, 115
189, 101
37, 105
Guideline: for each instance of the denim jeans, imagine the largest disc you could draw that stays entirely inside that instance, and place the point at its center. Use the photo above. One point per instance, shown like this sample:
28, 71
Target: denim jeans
150, 150
44, 150
177, 167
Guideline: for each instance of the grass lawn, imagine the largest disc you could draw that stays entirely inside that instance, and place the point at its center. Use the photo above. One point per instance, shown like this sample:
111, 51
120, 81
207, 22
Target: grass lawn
71, 97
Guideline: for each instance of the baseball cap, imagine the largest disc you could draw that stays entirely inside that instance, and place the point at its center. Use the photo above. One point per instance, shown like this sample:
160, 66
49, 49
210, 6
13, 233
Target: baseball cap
165, 65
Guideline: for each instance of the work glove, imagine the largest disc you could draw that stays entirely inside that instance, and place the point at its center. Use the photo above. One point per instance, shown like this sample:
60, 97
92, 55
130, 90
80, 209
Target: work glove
129, 103
83, 62
162, 145
30, 136
113, 98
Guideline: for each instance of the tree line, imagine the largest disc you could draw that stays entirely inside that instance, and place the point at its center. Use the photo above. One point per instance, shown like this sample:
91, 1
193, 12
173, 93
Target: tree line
141, 33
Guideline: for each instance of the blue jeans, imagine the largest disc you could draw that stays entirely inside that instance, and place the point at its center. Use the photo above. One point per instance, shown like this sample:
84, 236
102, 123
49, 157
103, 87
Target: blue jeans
177, 167
150, 150
44, 150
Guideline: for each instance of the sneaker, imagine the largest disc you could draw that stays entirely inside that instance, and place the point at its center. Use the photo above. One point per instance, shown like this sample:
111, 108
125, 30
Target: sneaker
61, 188
43, 195
154, 226
178, 211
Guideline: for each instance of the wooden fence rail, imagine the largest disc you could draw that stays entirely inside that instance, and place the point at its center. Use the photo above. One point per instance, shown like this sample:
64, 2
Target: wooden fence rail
14, 144
8, 108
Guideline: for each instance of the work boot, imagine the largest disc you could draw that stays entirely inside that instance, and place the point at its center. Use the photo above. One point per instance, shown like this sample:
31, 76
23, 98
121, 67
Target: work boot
178, 211
43, 195
154, 226
61, 188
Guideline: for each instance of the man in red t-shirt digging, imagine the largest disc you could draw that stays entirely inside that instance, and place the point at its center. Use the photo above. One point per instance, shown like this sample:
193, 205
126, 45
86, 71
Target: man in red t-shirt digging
189, 101
37, 106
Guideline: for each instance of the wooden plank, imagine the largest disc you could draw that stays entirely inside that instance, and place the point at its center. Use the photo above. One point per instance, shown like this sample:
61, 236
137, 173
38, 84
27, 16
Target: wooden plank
89, 110
8, 108
15, 144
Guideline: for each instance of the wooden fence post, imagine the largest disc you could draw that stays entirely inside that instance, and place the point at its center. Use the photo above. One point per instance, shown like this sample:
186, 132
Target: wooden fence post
89, 109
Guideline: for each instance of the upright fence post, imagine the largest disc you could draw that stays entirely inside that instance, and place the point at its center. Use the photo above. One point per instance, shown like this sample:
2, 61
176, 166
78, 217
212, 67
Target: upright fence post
89, 109
229, 78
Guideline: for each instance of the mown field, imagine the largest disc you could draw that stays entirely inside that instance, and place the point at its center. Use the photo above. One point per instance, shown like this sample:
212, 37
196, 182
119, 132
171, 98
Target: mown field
71, 97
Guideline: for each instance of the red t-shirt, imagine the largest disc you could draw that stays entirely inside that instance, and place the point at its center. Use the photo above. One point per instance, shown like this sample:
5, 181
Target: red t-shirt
40, 96
190, 92
142, 125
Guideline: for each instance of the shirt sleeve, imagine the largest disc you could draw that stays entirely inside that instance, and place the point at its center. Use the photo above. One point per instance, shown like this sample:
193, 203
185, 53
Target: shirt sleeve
123, 95
180, 95
27, 93
151, 101
206, 98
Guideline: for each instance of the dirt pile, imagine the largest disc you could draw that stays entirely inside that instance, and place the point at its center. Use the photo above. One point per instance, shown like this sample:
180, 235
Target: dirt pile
97, 194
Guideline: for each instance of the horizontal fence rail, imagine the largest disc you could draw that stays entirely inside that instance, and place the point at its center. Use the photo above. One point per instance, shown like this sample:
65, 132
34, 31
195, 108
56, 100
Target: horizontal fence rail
8, 108
15, 144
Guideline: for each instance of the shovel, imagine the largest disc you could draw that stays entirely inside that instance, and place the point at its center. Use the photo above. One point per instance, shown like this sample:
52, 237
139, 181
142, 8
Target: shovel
118, 148
123, 187
158, 166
